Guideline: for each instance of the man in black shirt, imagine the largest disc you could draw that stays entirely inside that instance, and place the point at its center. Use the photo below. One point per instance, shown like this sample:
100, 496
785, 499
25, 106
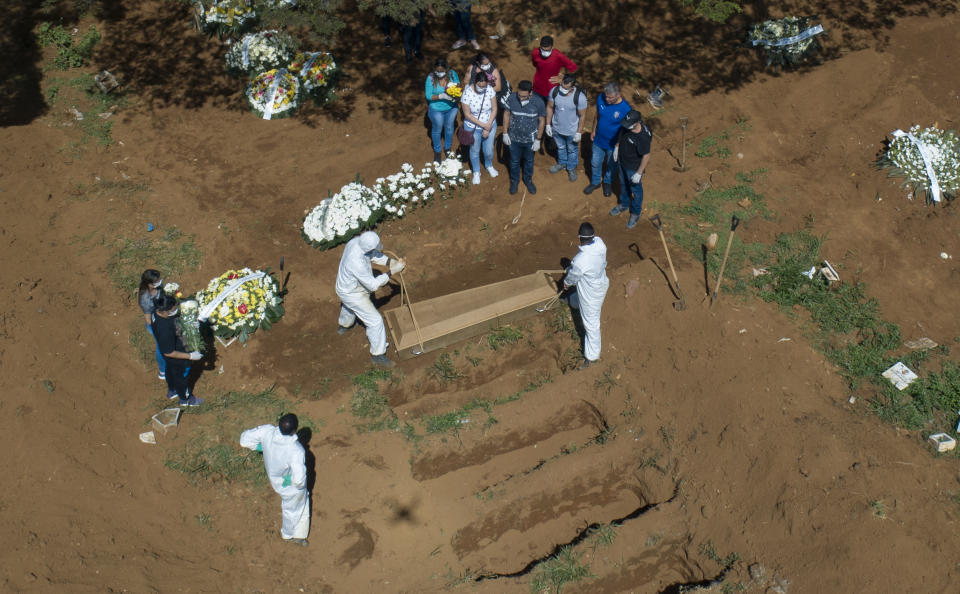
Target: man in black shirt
633, 153
171, 345
523, 119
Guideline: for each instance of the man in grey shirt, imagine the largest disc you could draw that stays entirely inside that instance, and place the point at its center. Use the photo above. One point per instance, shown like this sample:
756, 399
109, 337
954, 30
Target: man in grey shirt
523, 120
565, 110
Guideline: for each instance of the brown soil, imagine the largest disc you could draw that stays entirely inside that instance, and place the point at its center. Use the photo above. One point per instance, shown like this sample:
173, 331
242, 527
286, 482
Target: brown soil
722, 432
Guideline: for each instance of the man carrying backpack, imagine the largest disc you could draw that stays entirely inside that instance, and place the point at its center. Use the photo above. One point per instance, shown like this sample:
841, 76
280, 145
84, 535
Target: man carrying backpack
565, 110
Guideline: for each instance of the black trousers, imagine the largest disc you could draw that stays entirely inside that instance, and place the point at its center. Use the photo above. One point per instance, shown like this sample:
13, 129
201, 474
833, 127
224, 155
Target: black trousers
176, 380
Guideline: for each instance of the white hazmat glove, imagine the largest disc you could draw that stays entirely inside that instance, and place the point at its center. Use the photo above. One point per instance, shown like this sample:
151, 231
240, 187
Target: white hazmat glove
397, 266
577, 137
635, 178
506, 138
196, 356
549, 130
536, 145
616, 153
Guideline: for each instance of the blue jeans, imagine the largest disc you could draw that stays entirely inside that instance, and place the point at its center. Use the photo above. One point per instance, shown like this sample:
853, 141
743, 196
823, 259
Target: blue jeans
631, 195
521, 153
461, 19
441, 124
486, 144
598, 158
161, 362
567, 151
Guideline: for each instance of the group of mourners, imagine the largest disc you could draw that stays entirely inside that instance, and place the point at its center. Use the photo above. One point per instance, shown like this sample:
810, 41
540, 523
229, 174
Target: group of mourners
551, 105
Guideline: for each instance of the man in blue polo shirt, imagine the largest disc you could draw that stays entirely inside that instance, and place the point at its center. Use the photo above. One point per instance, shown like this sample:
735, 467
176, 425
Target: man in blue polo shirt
611, 108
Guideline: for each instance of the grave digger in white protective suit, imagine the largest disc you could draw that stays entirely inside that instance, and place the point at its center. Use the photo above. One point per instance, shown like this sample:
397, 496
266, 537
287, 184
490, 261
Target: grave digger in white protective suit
355, 283
586, 284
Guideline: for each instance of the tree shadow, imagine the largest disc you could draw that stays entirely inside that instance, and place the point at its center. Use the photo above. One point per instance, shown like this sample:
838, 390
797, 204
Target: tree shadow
21, 99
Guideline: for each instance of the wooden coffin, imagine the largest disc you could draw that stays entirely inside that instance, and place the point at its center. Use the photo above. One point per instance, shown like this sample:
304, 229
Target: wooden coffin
449, 319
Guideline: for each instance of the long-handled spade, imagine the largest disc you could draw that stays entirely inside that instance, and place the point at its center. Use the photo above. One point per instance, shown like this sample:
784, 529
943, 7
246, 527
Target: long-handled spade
681, 303
734, 221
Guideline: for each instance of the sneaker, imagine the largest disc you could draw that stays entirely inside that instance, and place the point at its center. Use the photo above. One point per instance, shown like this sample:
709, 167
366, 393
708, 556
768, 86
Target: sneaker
616, 210
192, 401
437, 157
171, 394
343, 329
297, 541
632, 221
474, 44
530, 187
492, 171
476, 178
607, 189
458, 44
556, 168
590, 188
162, 376
572, 174
387, 41
381, 360
513, 188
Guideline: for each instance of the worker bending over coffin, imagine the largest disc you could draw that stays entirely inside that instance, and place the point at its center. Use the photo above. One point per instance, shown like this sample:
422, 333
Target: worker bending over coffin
587, 276
355, 283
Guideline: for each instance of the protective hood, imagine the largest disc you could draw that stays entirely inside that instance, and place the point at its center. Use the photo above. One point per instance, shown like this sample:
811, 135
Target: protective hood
370, 241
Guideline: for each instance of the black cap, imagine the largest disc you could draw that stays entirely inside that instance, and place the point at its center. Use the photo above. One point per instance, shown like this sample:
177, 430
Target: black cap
632, 118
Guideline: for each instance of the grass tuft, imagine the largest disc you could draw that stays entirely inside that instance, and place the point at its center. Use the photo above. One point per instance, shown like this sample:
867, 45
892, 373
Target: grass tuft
561, 569
503, 336
172, 253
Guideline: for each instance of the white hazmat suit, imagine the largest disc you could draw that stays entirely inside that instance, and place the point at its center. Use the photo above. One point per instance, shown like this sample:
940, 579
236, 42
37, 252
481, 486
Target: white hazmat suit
283, 457
355, 282
587, 272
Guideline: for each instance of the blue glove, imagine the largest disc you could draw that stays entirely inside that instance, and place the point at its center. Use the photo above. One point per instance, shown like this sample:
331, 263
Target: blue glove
287, 481
259, 447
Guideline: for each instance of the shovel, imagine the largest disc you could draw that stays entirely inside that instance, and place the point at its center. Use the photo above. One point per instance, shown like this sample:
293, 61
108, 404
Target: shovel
734, 221
681, 304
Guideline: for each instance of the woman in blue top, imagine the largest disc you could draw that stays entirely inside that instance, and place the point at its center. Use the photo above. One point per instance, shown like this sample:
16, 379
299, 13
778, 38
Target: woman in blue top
442, 111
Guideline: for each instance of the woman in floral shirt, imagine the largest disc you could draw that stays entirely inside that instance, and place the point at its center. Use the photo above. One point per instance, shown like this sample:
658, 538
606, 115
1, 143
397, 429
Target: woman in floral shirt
479, 107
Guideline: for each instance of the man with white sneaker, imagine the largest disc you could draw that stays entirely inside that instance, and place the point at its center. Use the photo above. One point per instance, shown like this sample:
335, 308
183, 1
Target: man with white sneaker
523, 119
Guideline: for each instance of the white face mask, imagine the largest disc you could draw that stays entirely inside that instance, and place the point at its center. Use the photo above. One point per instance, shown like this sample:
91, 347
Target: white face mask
545, 53
439, 74
485, 67
481, 90
173, 312
524, 101
564, 91
157, 284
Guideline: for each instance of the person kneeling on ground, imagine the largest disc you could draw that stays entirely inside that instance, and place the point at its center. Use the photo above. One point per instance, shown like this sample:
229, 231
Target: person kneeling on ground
587, 275
284, 460
355, 283
174, 353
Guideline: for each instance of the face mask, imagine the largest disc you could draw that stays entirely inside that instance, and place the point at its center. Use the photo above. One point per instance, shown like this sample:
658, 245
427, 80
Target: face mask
174, 312
157, 284
485, 67
481, 90
524, 101
545, 53
439, 74
564, 91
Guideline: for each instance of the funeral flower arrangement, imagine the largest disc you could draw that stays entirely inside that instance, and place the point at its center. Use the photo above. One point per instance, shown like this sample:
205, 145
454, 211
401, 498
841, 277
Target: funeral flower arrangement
909, 154
317, 72
189, 326
356, 208
775, 39
224, 17
274, 94
261, 51
238, 302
